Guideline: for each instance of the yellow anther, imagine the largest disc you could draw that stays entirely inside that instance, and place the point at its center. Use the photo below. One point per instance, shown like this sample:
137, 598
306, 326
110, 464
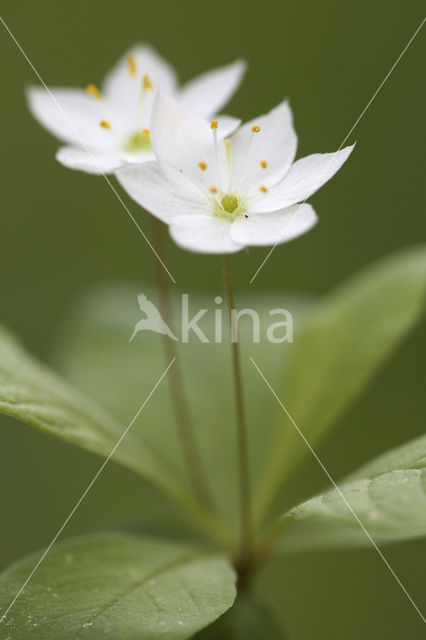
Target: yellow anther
105, 124
255, 129
131, 65
202, 166
214, 124
263, 189
94, 91
263, 164
213, 189
146, 82
145, 133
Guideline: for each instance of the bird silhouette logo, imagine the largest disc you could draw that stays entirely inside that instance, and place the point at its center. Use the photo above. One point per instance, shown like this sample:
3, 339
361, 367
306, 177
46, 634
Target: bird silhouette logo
153, 320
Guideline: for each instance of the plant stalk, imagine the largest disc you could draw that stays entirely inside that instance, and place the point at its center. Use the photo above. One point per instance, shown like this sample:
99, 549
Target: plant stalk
184, 424
246, 521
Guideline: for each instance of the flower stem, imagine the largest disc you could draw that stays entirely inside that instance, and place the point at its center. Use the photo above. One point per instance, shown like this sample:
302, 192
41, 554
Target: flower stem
182, 415
246, 527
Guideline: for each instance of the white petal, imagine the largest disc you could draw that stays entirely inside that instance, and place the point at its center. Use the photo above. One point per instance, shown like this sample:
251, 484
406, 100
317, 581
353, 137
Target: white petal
263, 158
302, 180
183, 140
74, 116
93, 162
124, 89
162, 192
137, 157
209, 92
264, 229
204, 234
227, 125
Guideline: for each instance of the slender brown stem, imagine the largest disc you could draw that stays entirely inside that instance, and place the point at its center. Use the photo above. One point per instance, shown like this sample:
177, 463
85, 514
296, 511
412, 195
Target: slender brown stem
183, 419
246, 527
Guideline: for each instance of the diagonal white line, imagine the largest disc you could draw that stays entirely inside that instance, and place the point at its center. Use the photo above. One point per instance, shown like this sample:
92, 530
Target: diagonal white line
83, 144
339, 491
80, 500
327, 165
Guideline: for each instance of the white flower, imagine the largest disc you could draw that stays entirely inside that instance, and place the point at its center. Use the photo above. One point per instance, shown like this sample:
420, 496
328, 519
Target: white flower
113, 124
221, 195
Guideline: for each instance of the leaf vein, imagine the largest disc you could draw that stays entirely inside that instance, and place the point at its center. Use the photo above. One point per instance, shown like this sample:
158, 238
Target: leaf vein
154, 574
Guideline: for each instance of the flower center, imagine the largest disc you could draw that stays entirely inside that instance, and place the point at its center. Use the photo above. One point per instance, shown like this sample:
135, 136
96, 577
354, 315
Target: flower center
229, 203
139, 141
229, 207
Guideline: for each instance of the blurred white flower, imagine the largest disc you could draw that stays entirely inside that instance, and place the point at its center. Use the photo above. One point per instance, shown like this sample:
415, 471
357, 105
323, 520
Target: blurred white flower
221, 195
114, 123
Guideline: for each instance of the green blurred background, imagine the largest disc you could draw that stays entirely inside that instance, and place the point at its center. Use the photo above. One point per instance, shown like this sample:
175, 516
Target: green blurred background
63, 231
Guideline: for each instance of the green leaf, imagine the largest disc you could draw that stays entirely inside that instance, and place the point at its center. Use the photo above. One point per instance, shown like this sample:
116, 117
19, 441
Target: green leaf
95, 354
116, 586
337, 351
388, 495
248, 619
33, 393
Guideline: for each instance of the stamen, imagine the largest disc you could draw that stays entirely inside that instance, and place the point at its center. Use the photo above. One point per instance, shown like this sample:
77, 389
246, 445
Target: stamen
105, 124
255, 129
228, 157
213, 189
263, 189
202, 166
131, 65
145, 133
146, 85
94, 91
146, 82
263, 164
214, 125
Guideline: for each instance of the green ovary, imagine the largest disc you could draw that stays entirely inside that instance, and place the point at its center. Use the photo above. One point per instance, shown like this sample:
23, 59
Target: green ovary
229, 203
229, 207
138, 142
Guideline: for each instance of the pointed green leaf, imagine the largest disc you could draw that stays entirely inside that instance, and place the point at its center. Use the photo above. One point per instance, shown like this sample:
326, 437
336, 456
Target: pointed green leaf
33, 393
116, 586
337, 351
388, 495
